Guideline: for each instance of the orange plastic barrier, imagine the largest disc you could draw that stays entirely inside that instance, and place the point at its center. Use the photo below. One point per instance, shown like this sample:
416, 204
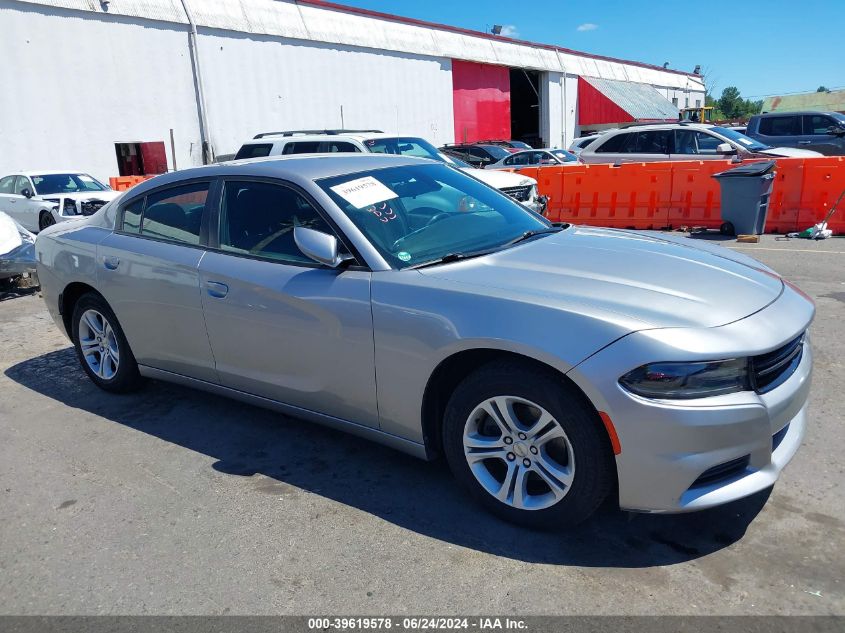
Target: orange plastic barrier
122, 183
684, 193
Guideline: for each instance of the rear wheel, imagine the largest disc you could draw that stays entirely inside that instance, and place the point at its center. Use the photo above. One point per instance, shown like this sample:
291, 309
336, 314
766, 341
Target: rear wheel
45, 219
527, 446
101, 346
727, 228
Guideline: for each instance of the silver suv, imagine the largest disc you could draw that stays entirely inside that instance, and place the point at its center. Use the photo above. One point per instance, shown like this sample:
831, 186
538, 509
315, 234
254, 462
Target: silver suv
679, 141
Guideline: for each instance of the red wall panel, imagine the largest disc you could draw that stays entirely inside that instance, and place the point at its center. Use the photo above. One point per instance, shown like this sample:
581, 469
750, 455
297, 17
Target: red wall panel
481, 95
154, 157
595, 108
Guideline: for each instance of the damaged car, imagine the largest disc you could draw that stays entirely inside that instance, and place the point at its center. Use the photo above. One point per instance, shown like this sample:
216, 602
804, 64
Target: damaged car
40, 199
17, 249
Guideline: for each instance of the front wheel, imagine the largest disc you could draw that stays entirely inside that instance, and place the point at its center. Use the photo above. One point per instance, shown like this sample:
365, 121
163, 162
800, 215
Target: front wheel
45, 219
527, 446
101, 346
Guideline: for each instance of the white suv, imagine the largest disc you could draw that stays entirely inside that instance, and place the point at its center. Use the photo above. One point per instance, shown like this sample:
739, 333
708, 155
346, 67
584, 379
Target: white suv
520, 188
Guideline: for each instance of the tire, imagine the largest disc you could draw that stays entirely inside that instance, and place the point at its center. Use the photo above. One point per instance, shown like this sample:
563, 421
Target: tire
45, 219
579, 460
727, 228
101, 346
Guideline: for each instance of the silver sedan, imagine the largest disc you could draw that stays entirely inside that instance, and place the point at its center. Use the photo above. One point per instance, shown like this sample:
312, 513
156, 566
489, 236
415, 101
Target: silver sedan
407, 302
535, 158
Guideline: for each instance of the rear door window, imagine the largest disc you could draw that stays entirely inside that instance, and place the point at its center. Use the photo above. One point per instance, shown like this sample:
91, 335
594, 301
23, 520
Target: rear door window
339, 146
780, 126
614, 144
254, 150
302, 147
175, 214
650, 142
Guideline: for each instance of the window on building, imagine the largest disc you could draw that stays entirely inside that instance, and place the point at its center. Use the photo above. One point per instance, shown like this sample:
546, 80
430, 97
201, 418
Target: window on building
258, 219
175, 214
780, 126
698, 103
675, 101
254, 150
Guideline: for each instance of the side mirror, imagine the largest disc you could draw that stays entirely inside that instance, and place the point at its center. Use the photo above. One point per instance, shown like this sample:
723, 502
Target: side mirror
321, 247
26, 193
835, 130
725, 149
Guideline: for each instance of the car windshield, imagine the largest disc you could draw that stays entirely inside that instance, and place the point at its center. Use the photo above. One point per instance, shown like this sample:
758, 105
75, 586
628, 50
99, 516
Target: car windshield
738, 137
839, 117
404, 145
566, 157
417, 214
47, 184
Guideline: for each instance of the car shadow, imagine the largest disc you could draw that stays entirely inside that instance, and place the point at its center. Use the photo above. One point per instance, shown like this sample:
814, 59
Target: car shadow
278, 452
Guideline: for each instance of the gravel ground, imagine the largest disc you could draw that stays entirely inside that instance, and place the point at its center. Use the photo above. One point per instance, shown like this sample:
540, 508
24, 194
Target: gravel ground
171, 501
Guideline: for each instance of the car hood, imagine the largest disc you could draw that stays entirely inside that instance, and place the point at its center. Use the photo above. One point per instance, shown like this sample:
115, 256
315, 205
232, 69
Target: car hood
84, 195
499, 179
643, 278
790, 152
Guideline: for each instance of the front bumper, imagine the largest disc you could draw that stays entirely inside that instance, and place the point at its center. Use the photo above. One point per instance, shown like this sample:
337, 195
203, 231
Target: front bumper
669, 447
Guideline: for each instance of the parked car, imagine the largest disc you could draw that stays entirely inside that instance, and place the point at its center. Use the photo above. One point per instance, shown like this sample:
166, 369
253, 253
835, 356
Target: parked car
476, 154
403, 300
511, 145
679, 141
823, 132
17, 249
581, 142
521, 188
534, 158
41, 198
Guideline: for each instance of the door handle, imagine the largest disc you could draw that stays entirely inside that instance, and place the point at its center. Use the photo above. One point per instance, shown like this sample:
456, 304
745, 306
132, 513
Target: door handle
216, 289
111, 262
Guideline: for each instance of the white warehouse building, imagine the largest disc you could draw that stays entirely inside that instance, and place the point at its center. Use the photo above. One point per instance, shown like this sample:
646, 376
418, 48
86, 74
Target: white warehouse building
141, 86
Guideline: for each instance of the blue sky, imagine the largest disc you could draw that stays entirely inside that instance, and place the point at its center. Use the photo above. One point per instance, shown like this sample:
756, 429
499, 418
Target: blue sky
762, 48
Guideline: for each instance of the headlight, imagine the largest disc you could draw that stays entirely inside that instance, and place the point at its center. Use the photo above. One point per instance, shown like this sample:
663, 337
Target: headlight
532, 193
684, 381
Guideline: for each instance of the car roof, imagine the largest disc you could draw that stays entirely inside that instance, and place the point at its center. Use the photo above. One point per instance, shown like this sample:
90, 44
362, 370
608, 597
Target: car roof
800, 112
46, 172
361, 136
295, 167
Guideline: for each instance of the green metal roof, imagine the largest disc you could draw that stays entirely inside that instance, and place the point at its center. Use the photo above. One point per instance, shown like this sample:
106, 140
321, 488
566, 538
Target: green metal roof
833, 101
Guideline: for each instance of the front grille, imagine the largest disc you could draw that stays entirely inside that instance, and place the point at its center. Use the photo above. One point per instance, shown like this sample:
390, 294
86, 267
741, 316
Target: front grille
772, 369
522, 193
722, 471
90, 207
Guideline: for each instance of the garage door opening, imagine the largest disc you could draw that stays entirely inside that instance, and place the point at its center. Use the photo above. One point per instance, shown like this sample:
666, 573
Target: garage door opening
141, 159
525, 106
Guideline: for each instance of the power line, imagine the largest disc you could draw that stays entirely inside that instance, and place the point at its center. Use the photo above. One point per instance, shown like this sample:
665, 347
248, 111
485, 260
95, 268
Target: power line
797, 92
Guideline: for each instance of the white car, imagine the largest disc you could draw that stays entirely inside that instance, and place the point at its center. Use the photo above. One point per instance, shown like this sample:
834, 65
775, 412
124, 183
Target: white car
520, 188
534, 158
40, 198
680, 141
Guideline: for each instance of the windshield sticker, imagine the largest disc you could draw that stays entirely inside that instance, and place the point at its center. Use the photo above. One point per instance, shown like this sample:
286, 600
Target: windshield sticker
383, 211
363, 192
404, 256
747, 141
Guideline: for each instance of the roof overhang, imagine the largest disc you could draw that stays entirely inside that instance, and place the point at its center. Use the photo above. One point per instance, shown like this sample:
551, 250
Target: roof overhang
602, 101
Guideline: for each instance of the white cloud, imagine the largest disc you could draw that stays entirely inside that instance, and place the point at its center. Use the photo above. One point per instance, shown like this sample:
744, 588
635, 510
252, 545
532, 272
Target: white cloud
589, 26
509, 30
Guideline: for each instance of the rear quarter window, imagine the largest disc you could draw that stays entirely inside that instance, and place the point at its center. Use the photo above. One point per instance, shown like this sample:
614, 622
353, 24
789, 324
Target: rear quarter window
254, 150
613, 144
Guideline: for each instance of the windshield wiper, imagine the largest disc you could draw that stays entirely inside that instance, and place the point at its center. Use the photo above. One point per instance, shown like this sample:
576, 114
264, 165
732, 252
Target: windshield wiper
529, 234
450, 257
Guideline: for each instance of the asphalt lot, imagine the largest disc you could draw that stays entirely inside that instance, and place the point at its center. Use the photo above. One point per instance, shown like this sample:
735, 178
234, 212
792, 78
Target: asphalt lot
171, 501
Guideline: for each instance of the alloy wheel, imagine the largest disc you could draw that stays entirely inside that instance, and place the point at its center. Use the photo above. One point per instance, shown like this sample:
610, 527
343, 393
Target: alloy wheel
98, 343
519, 453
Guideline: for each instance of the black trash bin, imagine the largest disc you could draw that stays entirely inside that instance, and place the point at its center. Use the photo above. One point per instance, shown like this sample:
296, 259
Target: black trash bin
745, 197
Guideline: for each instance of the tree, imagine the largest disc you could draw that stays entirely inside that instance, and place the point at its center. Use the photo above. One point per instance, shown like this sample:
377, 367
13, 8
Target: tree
730, 103
822, 89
